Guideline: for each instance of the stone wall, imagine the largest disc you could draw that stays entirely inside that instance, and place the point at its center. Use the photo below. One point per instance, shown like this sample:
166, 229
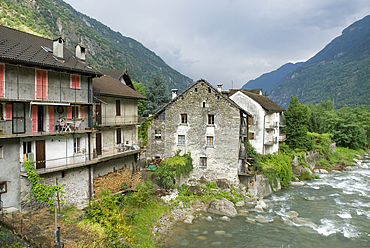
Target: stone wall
198, 102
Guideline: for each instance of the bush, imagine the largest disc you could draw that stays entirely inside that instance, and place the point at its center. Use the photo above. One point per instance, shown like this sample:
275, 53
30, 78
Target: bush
273, 166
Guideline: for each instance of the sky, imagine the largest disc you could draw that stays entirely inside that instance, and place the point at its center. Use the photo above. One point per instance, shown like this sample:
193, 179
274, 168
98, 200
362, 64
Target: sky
227, 42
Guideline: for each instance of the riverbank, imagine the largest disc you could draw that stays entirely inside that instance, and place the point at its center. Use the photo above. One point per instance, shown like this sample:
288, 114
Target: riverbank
332, 211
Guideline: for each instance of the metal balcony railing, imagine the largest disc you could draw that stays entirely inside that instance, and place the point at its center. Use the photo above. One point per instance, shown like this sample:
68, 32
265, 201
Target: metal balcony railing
109, 120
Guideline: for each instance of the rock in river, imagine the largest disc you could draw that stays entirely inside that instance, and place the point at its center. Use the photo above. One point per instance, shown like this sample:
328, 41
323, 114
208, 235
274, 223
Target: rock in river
222, 207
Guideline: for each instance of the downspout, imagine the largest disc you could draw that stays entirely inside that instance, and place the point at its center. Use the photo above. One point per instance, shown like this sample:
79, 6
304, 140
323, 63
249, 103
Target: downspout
263, 130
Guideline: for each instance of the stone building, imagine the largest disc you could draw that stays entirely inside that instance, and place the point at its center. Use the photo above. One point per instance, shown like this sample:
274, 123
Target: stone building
264, 131
209, 126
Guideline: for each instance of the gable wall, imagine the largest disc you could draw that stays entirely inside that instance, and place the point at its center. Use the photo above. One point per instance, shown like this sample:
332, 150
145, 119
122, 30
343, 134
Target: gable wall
222, 158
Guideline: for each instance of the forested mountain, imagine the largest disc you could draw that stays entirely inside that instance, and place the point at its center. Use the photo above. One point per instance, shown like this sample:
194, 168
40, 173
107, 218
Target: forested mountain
269, 80
106, 49
340, 71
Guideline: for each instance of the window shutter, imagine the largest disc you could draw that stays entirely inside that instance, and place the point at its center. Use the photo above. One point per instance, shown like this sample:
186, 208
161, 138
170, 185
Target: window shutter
69, 112
82, 115
51, 118
34, 118
78, 85
2, 81
41, 84
8, 109
75, 82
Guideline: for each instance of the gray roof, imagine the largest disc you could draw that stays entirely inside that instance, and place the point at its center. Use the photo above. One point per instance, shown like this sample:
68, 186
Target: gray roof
265, 102
108, 86
215, 90
27, 49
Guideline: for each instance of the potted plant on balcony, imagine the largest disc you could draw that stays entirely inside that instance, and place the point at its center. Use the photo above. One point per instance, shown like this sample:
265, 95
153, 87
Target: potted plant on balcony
94, 125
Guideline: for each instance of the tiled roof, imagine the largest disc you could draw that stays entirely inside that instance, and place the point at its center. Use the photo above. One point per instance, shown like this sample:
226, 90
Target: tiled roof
118, 74
261, 100
109, 86
23, 48
232, 103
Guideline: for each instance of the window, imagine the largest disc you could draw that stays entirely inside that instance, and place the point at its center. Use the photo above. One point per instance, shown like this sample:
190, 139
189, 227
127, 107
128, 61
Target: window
119, 136
251, 136
184, 118
77, 145
75, 82
75, 112
203, 162
1, 152
118, 107
1, 112
41, 84
209, 90
158, 134
196, 89
204, 104
181, 140
27, 147
18, 117
209, 140
211, 119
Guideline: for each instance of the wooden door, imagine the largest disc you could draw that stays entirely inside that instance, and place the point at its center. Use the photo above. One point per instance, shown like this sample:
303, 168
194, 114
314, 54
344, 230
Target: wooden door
40, 154
98, 113
98, 143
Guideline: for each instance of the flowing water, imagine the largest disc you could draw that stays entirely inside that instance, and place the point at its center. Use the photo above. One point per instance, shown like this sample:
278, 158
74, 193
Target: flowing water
334, 211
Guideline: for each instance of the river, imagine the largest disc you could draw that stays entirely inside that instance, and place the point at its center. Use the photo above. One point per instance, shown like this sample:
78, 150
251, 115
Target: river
334, 211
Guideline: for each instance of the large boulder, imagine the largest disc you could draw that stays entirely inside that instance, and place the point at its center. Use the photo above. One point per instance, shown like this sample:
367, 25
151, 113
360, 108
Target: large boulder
261, 187
222, 207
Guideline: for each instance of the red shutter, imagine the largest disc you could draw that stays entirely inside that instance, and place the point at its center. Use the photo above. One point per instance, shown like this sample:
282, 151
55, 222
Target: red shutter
82, 115
34, 118
73, 82
8, 109
2, 81
78, 85
51, 118
44, 85
41, 84
69, 112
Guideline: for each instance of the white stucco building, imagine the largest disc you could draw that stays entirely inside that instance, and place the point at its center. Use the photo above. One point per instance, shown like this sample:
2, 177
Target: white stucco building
264, 131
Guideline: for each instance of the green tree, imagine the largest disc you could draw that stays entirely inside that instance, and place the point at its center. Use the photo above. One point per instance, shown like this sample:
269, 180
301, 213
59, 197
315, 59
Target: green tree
157, 94
297, 117
139, 87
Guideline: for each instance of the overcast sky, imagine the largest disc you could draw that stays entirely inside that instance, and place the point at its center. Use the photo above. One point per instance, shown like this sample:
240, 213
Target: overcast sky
224, 41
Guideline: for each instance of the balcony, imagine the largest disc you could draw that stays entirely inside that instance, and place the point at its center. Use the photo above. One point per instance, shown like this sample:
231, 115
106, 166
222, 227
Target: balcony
114, 120
271, 142
272, 125
282, 137
30, 134
81, 159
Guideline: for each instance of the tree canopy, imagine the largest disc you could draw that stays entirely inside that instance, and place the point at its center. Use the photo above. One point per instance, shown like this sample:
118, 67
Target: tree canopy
157, 95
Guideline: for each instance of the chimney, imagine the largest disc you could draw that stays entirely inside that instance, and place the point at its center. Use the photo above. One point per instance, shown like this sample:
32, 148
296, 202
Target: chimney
219, 87
174, 93
80, 51
58, 47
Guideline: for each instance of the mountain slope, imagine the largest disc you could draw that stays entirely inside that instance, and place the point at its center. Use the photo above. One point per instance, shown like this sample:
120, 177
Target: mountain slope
269, 80
339, 71
106, 49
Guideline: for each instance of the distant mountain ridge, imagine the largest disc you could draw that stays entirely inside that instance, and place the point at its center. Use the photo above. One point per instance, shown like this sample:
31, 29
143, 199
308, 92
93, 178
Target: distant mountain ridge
106, 49
339, 71
269, 80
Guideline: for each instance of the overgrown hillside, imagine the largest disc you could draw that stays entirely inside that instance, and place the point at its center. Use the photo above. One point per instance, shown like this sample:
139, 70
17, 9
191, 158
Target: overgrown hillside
107, 49
340, 71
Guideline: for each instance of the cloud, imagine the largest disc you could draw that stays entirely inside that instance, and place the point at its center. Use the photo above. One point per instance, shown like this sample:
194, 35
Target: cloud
221, 40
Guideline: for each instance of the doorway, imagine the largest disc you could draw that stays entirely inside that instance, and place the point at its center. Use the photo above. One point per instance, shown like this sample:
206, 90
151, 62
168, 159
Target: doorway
40, 154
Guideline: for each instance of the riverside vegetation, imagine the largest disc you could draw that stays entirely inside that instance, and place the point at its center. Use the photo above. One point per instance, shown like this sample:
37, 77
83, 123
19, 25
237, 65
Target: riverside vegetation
124, 220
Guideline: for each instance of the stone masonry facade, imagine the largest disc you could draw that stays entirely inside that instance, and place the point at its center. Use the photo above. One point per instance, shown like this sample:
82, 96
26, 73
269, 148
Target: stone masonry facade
200, 121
